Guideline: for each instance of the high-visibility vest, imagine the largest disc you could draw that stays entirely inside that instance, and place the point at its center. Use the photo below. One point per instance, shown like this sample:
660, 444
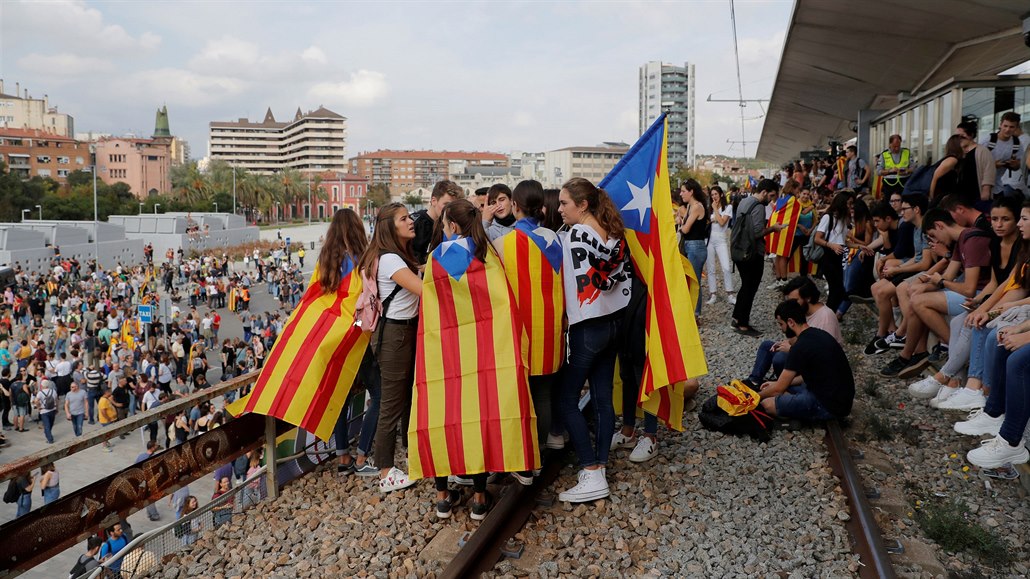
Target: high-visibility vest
888, 164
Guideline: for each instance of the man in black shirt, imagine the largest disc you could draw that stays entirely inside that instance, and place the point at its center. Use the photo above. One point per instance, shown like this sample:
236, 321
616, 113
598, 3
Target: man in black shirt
443, 193
816, 382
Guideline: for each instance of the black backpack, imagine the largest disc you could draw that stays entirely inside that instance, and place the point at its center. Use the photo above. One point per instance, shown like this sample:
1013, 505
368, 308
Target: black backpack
80, 567
755, 424
12, 493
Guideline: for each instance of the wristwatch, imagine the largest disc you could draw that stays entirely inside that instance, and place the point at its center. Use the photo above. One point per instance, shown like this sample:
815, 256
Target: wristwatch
940, 284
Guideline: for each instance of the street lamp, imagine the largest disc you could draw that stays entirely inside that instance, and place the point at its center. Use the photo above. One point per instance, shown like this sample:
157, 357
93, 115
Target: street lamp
23, 212
40, 207
216, 206
234, 189
277, 212
96, 214
156, 205
141, 209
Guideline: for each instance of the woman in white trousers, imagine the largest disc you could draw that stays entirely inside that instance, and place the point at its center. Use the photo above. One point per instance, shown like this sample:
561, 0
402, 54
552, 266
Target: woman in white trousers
718, 247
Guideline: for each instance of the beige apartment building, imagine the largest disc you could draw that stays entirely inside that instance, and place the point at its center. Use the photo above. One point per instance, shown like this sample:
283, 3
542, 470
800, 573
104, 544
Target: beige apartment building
314, 142
404, 171
143, 164
21, 111
591, 163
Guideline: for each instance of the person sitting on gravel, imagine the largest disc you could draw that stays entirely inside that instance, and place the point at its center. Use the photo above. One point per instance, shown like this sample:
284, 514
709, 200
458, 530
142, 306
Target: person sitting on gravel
816, 383
909, 257
938, 294
774, 354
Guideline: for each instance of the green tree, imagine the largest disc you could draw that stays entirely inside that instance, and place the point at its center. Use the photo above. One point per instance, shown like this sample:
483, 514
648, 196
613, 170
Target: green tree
413, 199
378, 195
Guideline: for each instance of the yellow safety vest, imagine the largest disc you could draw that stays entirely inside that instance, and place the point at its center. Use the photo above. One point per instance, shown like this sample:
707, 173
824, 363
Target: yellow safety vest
888, 164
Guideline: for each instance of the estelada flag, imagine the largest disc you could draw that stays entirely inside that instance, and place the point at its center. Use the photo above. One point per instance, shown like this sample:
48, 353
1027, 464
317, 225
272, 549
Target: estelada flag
311, 367
639, 186
471, 411
532, 258
787, 211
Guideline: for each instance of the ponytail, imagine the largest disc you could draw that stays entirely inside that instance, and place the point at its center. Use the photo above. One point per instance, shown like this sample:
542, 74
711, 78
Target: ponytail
529, 197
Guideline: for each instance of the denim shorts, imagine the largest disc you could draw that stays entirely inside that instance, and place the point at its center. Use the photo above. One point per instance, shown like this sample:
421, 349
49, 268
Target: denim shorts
799, 402
955, 301
21, 410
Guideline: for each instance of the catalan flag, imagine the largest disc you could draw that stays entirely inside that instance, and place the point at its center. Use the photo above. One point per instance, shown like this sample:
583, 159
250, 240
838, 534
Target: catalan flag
471, 409
786, 211
532, 259
311, 367
842, 170
639, 186
794, 264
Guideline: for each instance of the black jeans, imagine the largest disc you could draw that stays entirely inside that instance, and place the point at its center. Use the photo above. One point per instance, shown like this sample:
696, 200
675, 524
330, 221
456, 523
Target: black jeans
833, 271
751, 271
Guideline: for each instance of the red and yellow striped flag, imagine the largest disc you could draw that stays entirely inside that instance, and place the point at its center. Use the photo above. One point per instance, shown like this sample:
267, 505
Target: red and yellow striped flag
787, 211
842, 170
471, 409
312, 365
794, 264
639, 186
532, 259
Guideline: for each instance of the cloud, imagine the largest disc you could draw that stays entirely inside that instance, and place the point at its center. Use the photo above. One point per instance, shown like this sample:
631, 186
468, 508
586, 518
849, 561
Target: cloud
235, 57
314, 54
71, 25
65, 65
523, 119
364, 89
182, 87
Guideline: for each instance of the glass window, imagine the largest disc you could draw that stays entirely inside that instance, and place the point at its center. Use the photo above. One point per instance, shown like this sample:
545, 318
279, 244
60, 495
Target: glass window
927, 154
947, 124
978, 106
914, 136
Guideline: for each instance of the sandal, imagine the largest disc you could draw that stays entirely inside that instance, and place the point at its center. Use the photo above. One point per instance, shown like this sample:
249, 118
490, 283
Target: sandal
747, 331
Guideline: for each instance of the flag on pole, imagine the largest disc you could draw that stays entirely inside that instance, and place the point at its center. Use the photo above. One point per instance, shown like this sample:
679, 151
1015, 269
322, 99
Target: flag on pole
787, 211
639, 186
311, 367
532, 259
471, 409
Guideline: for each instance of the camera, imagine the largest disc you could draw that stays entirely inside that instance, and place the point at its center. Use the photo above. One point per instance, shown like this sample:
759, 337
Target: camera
1026, 28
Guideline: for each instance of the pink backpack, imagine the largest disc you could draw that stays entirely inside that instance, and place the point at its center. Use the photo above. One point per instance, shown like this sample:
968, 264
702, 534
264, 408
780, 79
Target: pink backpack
369, 307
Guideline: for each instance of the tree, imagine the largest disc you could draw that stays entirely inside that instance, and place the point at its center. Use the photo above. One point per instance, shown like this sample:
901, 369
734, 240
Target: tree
413, 199
378, 195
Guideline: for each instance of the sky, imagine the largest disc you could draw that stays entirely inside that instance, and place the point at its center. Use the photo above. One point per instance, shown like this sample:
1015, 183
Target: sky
499, 76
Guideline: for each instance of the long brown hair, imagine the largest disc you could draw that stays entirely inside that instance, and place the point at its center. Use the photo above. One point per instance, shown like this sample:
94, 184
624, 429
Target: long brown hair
598, 203
345, 238
1023, 276
385, 240
469, 220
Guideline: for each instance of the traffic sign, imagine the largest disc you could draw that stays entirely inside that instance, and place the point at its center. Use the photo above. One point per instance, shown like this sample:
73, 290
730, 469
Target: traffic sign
146, 313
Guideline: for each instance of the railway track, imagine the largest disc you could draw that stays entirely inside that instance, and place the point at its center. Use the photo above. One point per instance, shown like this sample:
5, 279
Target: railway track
487, 546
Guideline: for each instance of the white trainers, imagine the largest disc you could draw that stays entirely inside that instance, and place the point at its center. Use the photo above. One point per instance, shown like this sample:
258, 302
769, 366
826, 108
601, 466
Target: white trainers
943, 394
555, 441
776, 285
524, 479
645, 450
980, 423
620, 440
592, 485
964, 399
712, 299
394, 480
460, 480
732, 298
997, 452
925, 388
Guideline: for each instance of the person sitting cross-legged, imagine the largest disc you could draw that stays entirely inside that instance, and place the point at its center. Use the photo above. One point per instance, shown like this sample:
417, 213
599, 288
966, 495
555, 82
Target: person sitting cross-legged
816, 383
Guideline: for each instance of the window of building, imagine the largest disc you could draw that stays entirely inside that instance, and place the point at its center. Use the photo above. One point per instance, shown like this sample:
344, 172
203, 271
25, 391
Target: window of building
62, 160
42, 158
43, 172
62, 172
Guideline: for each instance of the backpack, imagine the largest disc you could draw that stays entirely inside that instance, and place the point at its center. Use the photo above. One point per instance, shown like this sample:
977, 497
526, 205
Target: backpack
369, 308
12, 493
21, 397
742, 242
49, 401
812, 252
734, 410
80, 567
919, 181
198, 363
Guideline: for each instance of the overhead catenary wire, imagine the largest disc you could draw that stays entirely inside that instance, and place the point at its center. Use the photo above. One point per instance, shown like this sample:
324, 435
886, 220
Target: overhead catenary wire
740, 87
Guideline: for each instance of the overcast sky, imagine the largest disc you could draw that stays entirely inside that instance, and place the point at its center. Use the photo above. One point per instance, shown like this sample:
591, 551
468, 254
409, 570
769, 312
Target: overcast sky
497, 76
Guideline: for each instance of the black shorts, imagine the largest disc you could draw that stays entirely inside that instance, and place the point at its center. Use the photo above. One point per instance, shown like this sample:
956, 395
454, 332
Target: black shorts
898, 278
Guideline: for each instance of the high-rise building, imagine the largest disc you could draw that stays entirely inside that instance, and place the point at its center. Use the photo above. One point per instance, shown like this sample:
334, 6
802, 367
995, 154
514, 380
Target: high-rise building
403, 171
314, 142
670, 88
21, 111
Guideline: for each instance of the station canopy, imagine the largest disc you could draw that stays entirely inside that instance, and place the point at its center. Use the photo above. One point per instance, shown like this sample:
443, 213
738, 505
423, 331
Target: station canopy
843, 57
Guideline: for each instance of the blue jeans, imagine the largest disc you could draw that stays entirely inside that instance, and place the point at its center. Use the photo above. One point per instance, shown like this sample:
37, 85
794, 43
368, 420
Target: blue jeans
48, 424
799, 402
765, 358
1009, 368
592, 352
132, 402
51, 494
852, 274
93, 398
77, 420
697, 254
368, 374
983, 339
24, 504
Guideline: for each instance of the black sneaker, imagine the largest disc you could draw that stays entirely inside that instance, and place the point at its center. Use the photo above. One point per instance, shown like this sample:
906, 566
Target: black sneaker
915, 366
876, 346
857, 299
897, 365
446, 506
939, 354
345, 469
479, 510
750, 384
898, 343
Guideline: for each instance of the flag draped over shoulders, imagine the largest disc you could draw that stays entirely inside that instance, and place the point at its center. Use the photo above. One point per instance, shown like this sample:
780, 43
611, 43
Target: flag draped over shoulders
639, 186
786, 212
532, 258
471, 408
311, 367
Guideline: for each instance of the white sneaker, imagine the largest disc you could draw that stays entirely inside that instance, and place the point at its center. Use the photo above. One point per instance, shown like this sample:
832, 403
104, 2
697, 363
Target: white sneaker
712, 299
732, 298
620, 440
460, 480
980, 423
555, 441
523, 479
925, 388
645, 450
592, 485
395, 480
775, 285
964, 399
997, 452
943, 394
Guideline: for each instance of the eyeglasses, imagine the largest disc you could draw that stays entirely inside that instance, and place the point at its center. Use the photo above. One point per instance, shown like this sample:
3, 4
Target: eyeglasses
906, 208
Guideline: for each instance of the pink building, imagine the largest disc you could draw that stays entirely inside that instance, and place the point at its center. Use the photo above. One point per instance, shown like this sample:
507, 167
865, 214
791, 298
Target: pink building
341, 190
143, 164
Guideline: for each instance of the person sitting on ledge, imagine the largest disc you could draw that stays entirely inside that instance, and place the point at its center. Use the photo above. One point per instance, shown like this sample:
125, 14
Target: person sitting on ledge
816, 383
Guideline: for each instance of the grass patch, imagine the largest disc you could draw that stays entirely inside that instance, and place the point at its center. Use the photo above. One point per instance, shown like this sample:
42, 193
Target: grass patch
880, 428
950, 525
871, 388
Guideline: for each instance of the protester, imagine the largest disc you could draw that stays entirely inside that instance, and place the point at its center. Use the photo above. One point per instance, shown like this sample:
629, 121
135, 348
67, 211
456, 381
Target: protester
718, 248
747, 247
694, 226
75, 407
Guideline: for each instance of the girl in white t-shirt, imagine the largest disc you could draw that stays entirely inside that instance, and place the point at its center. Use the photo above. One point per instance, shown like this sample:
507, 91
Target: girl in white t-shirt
831, 234
390, 259
597, 289
718, 248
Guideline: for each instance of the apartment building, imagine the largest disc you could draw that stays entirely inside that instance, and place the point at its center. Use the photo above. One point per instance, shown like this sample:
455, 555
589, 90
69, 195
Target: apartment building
34, 153
591, 163
670, 88
21, 111
404, 171
142, 164
313, 142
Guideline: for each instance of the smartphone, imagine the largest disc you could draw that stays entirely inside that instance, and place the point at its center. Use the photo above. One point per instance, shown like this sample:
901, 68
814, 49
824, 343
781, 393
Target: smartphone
968, 307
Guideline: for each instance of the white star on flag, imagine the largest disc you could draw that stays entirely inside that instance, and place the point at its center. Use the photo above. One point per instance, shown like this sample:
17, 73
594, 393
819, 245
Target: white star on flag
640, 200
543, 233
